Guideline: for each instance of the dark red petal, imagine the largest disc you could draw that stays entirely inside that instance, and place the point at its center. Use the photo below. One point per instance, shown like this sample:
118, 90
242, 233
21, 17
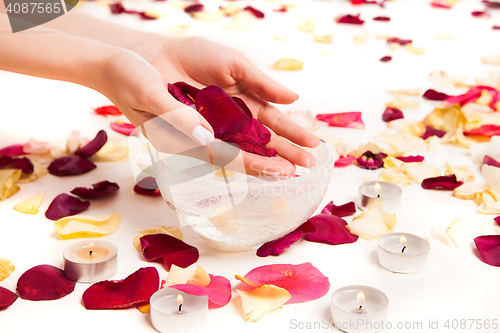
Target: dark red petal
248, 123
24, 164
391, 114
329, 229
491, 161
138, 287
277, 246
497, 220
70, 166
386, 58
117, 8
7, 297
485, 130
179, 95
447, 183
250, 145
194, 8
218, 291
97, 190
371, 161
349, 19
187, 89
434, 95
13, 150
342, 119
146, 16
431, 131
65, 205
43, 283
257, 13
479, 13
492, 4
489, 247
340, 211
123, 128
399, 41
93, 146
382, 18
170, 250
108, 110
344, 161
4, 161
147, 186
496, 27
220, 110
410, 159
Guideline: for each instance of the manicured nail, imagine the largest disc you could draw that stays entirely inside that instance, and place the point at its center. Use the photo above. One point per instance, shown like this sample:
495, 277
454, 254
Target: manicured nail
203, 136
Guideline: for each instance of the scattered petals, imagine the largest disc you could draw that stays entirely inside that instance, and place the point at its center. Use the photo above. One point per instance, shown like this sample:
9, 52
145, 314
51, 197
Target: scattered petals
361, 38
70, 166
459, 230
344, 161
43, 283
115, 150
493, 59
372, 224
172, 231
35, 147
65, 205
418, 171
462, 172
30, 206
434, 95
278, 246
480, 13
371, 161
6, 268
491, 161
405, 92
415, 49
288, 64
8, 179
12, 151
382, 18
349, 19
108, 110
329, 229
137, 288
97, 190
147, 186
7, 298
87, 226
342, 119
218, 291
324, 39
194, 8
168, 249
340, 211
468, 191
489, 247
257, 13
117, 8
411, 159
308, 25
391, 114
448, 182
485, 130
23, 164
399, 103
262, 300
491, 176
386, 59
431, 131
399, 41
179, 275
122, 128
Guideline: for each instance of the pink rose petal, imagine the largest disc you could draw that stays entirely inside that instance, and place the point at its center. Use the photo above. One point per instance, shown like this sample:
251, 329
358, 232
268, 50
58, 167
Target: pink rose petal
218, 291
65, 205
93, 146
36, 147
391, 114
382, 18
342, 119
431, 131
329, 229
399, 41
137, 288
278, 246
7, 298
434, 95
340, 211
169, 250
97, 190
349, 19
249, 144
344, 161
70, 166
43, 283
257, 13
485, 130
371, 161
496, 27
386, 59
479, 13
122, 128
447, 183
13, 150
497, 220
411, 159
489, 247
147, 186
304, 282
108, 110
491, 161
472, 95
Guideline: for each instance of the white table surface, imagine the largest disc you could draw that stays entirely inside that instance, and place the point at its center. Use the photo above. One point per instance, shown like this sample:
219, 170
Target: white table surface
455, 285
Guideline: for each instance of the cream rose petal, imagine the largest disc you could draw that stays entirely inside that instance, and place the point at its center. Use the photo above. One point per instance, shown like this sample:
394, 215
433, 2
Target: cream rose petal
395, 176
490, 228
405, 92
415, 49
399, 103
172, 231
469, 190
373, 223
30, 206
6, 268
178, 275
490, 203
84, 226
115, 150
491, 176
493, 59
493, 149
39, 170
262, 300
308, 25
459, 230
8, 179
360, 38
464, 173
288, 64
418, 171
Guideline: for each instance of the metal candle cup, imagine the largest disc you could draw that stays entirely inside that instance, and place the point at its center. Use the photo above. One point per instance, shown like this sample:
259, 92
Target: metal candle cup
398, 256
90, 261
353, 314
168, 314
380, 194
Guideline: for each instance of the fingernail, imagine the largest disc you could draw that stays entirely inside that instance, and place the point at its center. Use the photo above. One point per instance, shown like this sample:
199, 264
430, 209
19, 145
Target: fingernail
203, 136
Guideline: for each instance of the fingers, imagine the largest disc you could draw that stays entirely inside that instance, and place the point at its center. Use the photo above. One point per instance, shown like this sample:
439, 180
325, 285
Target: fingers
292, 153
255, 165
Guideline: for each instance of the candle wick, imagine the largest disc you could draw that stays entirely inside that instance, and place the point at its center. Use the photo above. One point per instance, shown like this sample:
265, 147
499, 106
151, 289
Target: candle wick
180, 307
378, 196
360, 308
403, 250
90, 253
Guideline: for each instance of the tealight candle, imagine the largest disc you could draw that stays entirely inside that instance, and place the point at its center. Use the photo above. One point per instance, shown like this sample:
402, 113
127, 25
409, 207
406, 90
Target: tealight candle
359, 309
90, 261
402, 252
175, 311
380, 194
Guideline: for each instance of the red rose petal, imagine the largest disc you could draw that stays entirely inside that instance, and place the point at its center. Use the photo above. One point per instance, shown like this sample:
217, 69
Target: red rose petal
147, 186
304, 282
344, 161
218, 291
117, 8
250, 145
391, 114
489, 247
283, 9
472, 95
342, 119
257, 13
382, 18
23, 164
368, 2
180, 95
386, 58
170, 250
65, 205
194, 8
13, 150
138, 287
349, 19
4, 161
479, 13
411, 159
7, 298
122, 128
44, 282
434, 95
278, 246
496, 27
371, 161
340, 211
108, 110
329, 229
93, 146
399, 41
497, 220
97, 190
439, 4
492, 4
447, 183
491, 161
70, 166
431, 131
485, 130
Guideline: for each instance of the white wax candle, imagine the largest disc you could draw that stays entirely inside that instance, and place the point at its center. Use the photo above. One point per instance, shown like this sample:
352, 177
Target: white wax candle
354, 314
403, 252
165, 314
380, 194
